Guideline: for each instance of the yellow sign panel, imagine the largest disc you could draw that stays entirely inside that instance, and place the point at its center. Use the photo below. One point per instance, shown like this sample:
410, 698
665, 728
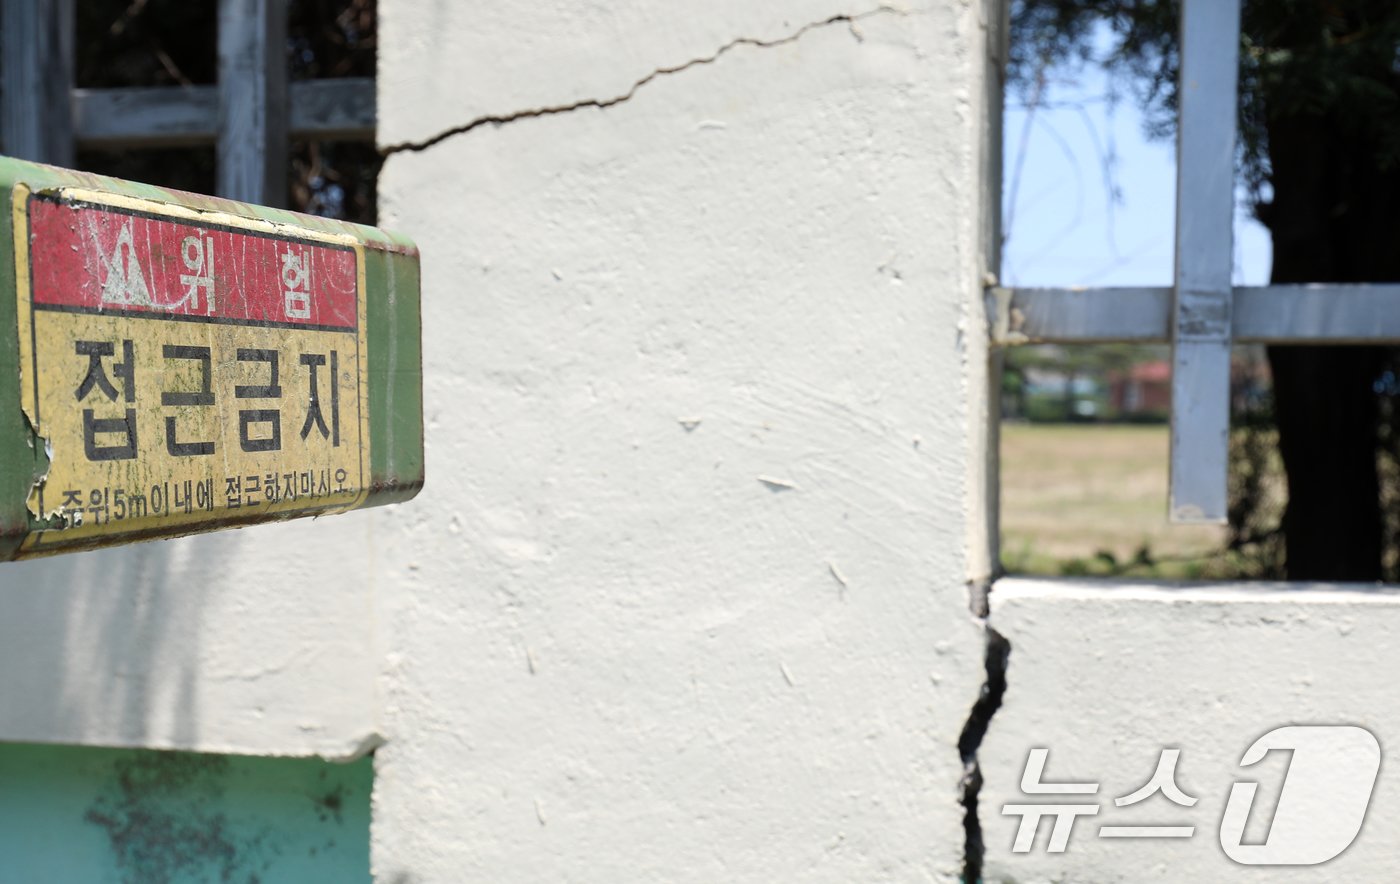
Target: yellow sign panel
186, 367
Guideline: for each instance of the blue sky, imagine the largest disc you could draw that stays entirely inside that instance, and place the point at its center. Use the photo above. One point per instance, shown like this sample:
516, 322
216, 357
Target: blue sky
1062, 224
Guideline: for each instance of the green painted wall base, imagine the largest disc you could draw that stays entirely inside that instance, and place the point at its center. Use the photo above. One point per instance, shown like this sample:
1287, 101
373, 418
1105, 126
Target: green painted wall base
73, 815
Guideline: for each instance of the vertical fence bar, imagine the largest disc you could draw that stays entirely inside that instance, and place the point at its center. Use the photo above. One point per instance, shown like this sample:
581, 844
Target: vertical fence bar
1204, 216
252, 149
36, 78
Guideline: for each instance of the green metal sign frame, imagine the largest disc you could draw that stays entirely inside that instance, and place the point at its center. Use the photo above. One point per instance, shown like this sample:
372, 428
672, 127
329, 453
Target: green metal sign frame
385, 371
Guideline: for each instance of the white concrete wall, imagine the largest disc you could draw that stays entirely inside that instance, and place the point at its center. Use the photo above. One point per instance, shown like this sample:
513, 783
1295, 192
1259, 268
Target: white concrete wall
258, 641
1106, 676
684, 598
686, 595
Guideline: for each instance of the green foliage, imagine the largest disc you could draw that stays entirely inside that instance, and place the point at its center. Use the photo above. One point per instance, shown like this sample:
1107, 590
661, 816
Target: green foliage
1255, 509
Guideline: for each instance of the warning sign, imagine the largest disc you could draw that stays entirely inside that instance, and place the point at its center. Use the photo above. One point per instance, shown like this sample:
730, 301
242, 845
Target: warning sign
185, 367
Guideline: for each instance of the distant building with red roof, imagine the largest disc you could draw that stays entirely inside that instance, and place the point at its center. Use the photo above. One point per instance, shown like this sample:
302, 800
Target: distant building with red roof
1141, 390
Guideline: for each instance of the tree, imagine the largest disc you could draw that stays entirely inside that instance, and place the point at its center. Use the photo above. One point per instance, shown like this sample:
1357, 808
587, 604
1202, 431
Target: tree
1320, 153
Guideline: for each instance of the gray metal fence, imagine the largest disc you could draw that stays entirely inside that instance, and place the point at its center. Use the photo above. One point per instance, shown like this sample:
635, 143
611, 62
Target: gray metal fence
1202, 314
250, 115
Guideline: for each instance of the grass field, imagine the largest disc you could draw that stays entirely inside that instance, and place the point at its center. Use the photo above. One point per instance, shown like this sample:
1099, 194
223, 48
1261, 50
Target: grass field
1086, 498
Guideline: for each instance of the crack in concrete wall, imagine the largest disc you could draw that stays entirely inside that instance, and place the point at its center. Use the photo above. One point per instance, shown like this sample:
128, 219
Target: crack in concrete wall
848, 19
974, 731
995, 648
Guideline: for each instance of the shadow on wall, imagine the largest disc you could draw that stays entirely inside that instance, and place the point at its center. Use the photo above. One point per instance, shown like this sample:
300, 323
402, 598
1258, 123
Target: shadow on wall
104, 647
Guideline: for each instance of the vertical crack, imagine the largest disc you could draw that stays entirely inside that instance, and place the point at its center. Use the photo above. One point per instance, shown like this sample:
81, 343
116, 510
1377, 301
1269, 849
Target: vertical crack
998, 652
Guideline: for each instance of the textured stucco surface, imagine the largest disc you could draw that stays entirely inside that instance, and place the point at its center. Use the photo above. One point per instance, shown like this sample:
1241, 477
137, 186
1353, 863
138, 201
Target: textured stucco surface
253, 641
684, 597
1106, 676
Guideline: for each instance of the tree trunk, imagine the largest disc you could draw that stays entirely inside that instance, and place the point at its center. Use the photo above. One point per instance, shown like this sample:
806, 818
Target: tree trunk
1333, 219
1326, 415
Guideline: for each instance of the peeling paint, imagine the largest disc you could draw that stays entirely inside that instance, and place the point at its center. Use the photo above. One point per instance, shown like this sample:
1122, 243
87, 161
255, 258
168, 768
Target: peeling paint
839, 577
39, 443
777, 484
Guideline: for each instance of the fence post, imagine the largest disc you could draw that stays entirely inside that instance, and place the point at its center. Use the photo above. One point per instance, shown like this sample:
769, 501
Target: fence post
36, 79
252, 148
1202, 315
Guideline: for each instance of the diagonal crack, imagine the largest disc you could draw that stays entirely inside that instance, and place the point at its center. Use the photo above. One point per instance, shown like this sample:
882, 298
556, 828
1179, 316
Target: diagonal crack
848, 19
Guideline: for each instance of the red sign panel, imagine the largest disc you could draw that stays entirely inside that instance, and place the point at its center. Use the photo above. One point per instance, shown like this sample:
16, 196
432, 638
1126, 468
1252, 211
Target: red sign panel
92, 259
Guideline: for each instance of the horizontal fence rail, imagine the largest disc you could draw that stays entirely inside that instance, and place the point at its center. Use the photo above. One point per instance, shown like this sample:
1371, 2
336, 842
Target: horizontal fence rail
1314, 313
250, 115
179, 116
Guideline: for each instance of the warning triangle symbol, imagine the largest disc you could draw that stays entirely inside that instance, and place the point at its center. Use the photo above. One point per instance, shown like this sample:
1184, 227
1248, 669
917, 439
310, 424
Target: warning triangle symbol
125, 283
